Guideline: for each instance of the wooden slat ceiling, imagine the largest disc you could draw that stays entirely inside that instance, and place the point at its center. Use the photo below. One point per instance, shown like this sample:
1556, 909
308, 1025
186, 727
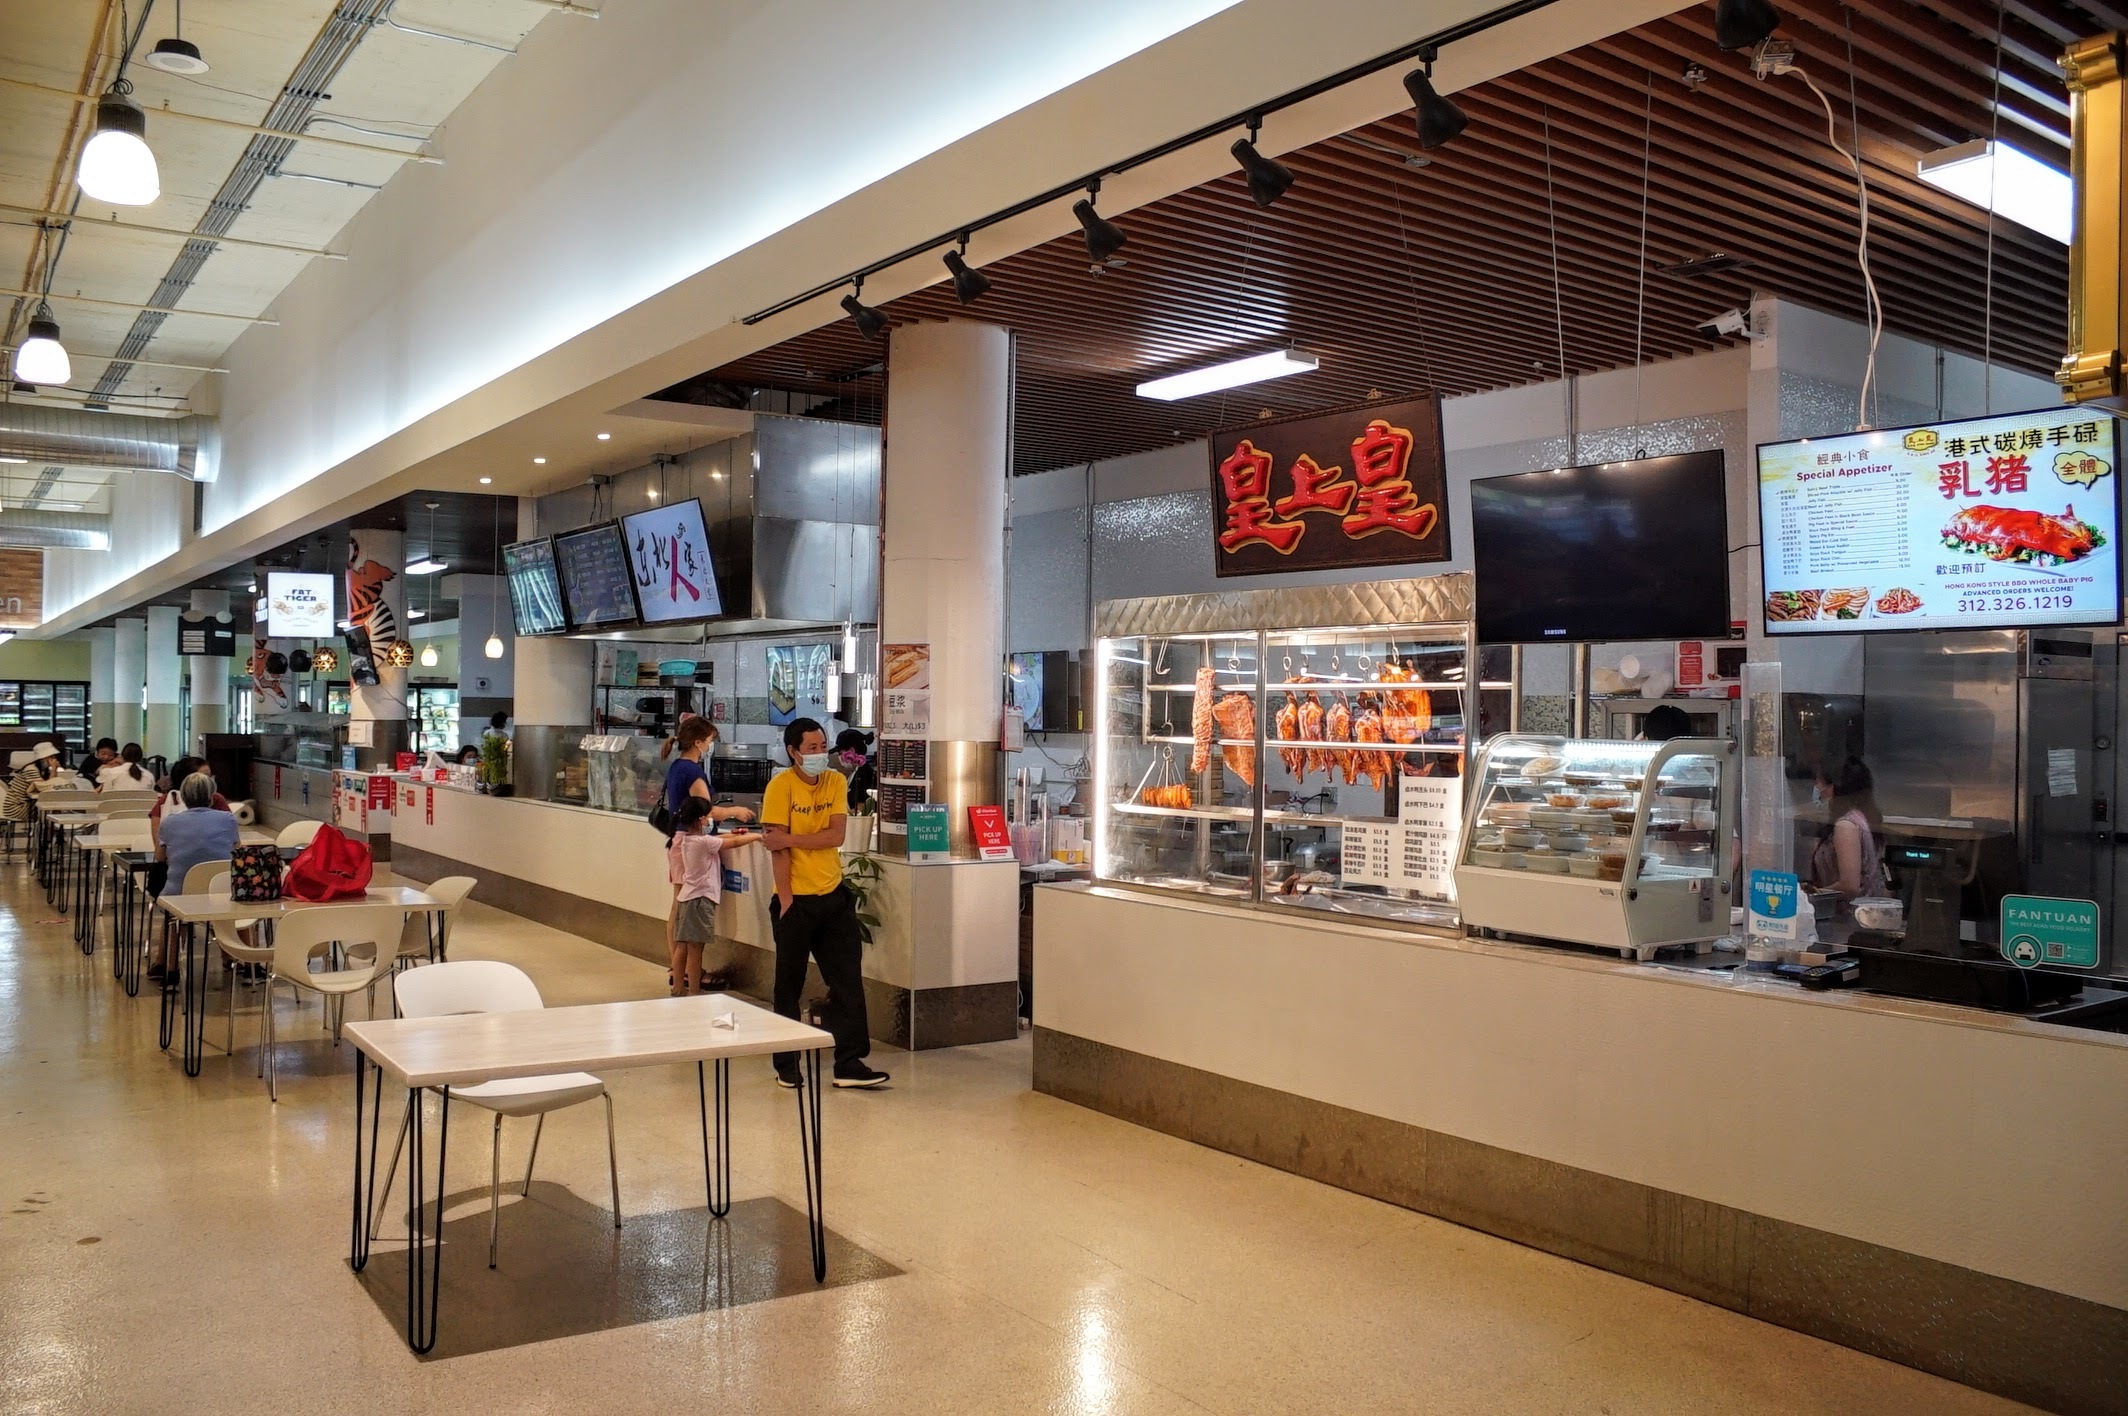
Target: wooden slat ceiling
1442, 276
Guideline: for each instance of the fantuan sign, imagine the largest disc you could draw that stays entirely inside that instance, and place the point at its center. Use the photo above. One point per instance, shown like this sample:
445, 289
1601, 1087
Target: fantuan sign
1352, 487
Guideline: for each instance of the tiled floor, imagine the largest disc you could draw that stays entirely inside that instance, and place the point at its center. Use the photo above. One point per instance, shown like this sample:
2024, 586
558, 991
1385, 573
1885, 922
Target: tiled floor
171, 1244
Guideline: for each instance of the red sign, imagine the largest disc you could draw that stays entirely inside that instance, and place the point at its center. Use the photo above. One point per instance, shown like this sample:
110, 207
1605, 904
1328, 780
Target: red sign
380, 794
1356, 486
277, 783
432, 806
987, 825
403, 761
1691, 663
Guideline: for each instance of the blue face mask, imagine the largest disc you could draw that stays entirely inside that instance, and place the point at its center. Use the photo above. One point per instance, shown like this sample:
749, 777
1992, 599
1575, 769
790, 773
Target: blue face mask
813, 763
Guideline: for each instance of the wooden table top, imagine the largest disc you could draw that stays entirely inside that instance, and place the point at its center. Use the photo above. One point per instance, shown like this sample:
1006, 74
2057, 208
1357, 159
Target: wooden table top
479, 1047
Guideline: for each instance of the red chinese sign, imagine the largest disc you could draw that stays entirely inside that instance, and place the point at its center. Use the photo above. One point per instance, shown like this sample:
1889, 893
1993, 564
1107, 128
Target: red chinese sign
1353, 487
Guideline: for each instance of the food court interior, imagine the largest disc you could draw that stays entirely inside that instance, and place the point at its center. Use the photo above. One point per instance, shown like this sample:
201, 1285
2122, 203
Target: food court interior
1465, 660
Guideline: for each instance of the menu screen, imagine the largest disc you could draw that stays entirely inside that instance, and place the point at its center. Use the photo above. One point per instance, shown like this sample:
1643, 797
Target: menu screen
595, 577
1987, 523
535, 587
668, 553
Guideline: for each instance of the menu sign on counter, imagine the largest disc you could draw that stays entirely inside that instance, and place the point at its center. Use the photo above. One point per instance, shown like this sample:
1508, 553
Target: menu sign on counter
1417, 851
1987, 523
1356, 486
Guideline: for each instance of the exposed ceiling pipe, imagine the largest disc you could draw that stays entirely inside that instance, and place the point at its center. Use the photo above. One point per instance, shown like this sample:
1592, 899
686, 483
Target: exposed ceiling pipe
55, 530
190, 447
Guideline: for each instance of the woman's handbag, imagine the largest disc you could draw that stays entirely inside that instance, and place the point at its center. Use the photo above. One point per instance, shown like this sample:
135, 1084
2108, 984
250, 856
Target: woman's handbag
661, 818
254, 874
331, 867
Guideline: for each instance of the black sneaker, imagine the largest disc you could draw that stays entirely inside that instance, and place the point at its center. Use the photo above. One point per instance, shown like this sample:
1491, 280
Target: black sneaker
859, 1075
789, 1081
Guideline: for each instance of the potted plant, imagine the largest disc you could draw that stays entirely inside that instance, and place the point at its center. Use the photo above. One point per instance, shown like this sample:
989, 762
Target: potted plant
495, 764
862, 877
858, 826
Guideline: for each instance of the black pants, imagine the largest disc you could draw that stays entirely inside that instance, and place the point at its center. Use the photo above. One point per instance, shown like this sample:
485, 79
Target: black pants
824, 928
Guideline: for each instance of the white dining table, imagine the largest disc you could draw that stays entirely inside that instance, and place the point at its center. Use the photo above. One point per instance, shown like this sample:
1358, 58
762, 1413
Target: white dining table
465, 1049
193, 911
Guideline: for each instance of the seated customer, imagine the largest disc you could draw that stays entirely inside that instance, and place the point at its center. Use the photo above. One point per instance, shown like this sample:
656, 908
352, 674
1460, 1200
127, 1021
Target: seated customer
125, 772
199, 833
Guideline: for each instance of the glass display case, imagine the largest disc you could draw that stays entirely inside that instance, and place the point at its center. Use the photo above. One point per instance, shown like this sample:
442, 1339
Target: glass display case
1292, 749
1622, 845
303, 739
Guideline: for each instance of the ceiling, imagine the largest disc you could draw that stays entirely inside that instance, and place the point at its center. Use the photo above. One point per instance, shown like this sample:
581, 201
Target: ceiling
327, 69
1524, 237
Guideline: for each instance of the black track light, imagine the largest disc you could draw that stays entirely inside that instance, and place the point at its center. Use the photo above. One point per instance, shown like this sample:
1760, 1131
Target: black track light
1268, 180
1743, 24
871, 323
1440, 121
1103, 237
968, 283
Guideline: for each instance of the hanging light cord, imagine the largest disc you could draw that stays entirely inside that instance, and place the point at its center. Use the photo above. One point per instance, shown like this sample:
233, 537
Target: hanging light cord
1640, 293
1987, 308
1551, 216
1873, 308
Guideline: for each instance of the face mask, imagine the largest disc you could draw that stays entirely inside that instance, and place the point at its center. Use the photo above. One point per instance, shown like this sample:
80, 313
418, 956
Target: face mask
813, 763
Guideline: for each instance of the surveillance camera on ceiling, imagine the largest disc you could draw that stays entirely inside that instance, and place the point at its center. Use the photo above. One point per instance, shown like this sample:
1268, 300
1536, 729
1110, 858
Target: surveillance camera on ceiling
1728, 324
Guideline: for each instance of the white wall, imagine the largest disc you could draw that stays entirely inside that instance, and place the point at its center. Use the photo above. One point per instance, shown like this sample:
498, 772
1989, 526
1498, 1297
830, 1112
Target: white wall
1897, 1123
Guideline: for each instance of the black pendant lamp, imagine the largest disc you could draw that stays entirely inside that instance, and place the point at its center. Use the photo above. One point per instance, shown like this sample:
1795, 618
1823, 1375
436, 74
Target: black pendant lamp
1103, 237
1743, 24
969, 283
1439, 120
1268, 180
871, 323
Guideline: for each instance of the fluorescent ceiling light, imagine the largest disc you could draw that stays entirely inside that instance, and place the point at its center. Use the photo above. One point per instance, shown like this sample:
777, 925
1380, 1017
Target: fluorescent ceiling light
417, 614
427, 565
15, 461
1232, 374
2006, 181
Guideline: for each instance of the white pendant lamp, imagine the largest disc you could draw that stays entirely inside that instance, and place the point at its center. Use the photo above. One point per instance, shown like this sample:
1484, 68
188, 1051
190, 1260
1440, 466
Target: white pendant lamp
428, 656
117, 166
494, 645
41, 358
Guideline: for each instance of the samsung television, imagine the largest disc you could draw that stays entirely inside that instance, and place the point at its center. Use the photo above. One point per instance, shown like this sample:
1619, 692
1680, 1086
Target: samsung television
535, 587
668, 559
596, 584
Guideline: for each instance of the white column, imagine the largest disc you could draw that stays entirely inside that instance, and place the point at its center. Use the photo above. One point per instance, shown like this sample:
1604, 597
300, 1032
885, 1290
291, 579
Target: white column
949, 394
129, 672
165, 731
103, 682
209, 675
484, 612
375, 590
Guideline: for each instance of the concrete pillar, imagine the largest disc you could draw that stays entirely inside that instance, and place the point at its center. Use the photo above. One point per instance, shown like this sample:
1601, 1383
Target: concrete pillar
129, 672
376, 603
103, 683
484, 611
550, 681
949, 405
209, 675
165, 730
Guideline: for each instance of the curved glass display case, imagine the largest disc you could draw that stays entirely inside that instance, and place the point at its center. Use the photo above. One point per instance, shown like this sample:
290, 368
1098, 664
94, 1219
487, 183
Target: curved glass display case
1623, 845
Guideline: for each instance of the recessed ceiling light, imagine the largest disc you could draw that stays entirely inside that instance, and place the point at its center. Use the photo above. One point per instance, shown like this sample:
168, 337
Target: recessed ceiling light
602, 437
539, 462
427, 565
1233, 374
486, 481
417, 614
653, 493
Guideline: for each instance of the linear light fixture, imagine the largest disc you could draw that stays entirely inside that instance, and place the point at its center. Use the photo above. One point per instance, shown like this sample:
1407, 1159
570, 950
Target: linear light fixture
2006, 181
427, 565
1278, 364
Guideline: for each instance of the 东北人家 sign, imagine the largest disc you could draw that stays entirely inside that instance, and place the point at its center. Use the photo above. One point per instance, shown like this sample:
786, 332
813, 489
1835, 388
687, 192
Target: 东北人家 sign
1357, 486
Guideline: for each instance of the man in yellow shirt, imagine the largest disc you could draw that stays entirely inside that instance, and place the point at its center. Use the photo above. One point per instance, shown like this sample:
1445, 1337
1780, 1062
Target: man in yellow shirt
802, 817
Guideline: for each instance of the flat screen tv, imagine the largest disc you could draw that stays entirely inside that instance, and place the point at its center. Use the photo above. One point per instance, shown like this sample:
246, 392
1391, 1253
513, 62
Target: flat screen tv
1599, 554
1986, 523
668, 557
535, 587
596, 584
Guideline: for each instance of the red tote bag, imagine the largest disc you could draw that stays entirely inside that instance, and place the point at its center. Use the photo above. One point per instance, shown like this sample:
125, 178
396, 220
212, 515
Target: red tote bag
330, 868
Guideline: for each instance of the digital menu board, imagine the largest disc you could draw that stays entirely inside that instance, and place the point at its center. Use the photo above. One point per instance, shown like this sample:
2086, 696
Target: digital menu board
668, 556
596, 583
535, 587
1984, 523
299, 604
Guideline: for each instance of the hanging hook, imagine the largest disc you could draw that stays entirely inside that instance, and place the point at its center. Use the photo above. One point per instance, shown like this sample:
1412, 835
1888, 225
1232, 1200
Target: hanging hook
1160, 659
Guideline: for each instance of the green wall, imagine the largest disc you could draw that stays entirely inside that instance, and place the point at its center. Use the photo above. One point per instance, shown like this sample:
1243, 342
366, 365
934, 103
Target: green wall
66, 659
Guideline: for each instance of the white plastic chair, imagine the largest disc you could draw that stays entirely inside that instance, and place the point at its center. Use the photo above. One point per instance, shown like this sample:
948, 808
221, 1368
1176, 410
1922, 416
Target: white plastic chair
304, 932
485, 986
112, 837
295, 837
229, 939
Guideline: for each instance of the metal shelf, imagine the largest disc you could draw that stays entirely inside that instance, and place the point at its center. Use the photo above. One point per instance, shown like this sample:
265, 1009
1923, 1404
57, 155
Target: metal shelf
1334, 685
1199, 813
1321, 745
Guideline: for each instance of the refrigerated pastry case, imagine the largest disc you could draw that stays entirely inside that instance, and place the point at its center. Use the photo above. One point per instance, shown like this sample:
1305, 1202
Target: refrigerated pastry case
1620, 845
1292, 749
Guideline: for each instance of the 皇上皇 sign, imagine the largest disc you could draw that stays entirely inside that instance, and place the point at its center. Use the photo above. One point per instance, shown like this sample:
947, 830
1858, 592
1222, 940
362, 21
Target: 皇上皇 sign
1359, 486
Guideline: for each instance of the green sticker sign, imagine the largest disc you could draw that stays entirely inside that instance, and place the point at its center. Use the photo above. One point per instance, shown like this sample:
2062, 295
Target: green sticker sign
930, 831
2040, 932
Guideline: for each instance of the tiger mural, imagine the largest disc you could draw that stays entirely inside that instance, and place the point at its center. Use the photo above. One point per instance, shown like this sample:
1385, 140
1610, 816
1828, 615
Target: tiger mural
366, 606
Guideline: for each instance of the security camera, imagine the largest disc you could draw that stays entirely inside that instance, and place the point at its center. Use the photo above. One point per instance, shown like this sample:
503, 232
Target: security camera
1727, 323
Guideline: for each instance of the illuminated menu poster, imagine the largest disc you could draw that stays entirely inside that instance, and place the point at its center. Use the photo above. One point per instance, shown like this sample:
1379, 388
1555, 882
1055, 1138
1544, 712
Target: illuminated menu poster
1986, 523
535, 587
1358, 486
595, 577
668, 553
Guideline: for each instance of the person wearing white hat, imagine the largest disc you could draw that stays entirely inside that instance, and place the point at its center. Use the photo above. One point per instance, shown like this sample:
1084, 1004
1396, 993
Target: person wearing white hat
29, 779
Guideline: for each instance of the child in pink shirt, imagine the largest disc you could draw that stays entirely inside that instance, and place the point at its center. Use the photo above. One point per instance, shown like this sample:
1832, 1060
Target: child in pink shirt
695, 866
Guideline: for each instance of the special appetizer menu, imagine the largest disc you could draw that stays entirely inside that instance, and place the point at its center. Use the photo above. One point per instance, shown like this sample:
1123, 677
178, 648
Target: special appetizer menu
1991, 522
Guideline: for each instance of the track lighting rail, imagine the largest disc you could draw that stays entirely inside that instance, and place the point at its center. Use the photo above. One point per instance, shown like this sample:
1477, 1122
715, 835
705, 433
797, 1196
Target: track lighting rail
1253, 114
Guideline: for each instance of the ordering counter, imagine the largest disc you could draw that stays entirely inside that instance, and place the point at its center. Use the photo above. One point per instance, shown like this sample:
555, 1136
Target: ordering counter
1941, 1186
